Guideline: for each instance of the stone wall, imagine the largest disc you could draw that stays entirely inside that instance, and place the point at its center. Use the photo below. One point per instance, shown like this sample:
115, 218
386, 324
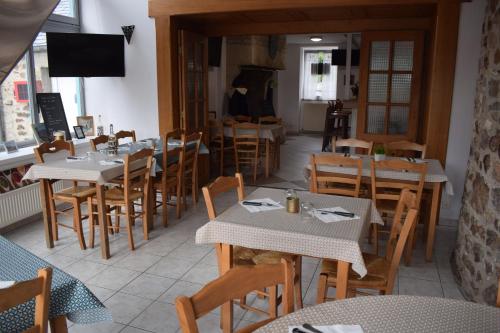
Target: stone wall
476, 258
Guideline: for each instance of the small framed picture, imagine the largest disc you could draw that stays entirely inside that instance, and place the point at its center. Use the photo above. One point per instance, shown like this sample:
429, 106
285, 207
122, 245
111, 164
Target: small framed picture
79, 132
87, 123
10, 146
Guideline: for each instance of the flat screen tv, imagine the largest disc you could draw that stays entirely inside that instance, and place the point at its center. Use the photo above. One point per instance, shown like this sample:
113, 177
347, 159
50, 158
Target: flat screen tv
339, 57
85, 55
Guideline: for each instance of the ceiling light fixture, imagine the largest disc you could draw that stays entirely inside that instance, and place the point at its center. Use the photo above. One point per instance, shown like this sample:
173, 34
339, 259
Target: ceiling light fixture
316, 39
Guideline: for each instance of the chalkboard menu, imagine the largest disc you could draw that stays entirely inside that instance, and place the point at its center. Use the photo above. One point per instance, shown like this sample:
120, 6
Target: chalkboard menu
53, 114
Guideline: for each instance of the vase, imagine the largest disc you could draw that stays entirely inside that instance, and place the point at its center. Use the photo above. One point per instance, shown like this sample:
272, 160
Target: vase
379, 157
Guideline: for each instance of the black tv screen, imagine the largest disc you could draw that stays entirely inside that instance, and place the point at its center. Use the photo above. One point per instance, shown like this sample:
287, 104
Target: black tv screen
85, 55
339, 57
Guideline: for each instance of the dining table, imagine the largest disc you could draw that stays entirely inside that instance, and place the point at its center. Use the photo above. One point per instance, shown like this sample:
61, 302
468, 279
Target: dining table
271, 134
392, 314
278, 230
435, 180
69, 298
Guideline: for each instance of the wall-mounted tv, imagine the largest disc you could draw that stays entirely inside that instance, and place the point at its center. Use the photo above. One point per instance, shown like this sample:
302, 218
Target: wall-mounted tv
85, 55
339, 57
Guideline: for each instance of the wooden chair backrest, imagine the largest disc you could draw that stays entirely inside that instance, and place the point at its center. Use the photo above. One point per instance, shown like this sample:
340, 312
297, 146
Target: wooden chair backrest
216, 129
243, 119
233, 284
246, 143
222, 185
53, 147
390, 189
353, 143
137, 177
101, 139
228, 121
190, 154
405, 149
318, 178
270, 120
125, 134
407, 210
22, 292
171, 158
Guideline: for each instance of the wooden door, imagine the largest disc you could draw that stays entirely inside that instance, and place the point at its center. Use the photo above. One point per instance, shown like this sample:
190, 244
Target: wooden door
193, 73
390, 84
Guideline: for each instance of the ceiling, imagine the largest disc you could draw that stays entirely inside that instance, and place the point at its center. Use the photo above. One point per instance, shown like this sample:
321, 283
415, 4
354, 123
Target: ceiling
328, 38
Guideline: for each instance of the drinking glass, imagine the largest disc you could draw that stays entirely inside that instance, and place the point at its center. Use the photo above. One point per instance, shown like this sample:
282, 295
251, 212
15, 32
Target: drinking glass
290, 193
307, 212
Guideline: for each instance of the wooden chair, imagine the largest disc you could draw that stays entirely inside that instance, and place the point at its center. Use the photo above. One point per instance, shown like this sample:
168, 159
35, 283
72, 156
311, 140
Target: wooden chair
218, 143
270, 120
405, 149
133, 180
386, 192
381, 270
245, 256
334, 183
367, 146
22, 292
74, 195
246, 146
99, 140
170, 179
232, 285
191, 149
125, 134
243, 119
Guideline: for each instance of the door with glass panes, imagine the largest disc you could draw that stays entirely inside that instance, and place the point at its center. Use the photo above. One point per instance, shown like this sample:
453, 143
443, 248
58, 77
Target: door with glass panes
390, 84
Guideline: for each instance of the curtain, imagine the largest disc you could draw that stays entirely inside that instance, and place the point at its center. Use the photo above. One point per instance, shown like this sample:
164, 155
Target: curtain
319, 86
20, 22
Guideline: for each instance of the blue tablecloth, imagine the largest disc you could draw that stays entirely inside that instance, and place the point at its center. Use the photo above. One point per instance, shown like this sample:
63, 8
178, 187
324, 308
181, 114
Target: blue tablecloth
69, 296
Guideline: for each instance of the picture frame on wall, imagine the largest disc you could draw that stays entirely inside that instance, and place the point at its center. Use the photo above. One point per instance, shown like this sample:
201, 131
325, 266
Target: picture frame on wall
87, 124
10, 146
79, 132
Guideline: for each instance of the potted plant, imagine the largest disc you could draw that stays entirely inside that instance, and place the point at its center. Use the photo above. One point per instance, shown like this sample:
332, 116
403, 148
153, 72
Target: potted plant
379, 153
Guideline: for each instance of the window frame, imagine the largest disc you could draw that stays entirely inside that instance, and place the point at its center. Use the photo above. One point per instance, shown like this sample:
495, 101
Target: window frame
313, 49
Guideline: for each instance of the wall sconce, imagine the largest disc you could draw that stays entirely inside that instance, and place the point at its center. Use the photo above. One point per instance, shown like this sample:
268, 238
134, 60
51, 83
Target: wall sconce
128, 30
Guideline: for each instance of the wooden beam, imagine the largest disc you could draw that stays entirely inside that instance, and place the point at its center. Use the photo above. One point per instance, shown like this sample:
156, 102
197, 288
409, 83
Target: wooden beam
186, 7
358, 25
167, 74
442, 79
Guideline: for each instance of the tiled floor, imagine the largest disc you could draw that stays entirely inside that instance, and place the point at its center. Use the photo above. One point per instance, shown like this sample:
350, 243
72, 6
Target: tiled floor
140, 287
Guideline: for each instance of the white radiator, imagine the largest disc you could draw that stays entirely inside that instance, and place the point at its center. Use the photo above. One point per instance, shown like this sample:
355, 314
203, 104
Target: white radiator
22, 203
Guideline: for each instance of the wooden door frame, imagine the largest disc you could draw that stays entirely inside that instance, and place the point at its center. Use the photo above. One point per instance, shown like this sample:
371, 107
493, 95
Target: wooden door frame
442, 30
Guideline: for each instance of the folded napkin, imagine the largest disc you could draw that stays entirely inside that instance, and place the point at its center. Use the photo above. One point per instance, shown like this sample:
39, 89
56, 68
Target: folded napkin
6, 284
264, 207
116, 161
414, 160
71, 159
329, 218
331, 329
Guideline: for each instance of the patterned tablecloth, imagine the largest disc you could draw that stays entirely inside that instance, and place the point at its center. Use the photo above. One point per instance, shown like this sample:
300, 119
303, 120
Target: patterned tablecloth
271, 132
278, 230
68, 296
396, 314
435, 172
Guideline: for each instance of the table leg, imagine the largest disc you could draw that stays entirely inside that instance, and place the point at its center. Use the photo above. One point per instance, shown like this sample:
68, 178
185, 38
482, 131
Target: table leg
47, 221
226, 263
267, 158
58, 324
103, 226
342, 278
431, 232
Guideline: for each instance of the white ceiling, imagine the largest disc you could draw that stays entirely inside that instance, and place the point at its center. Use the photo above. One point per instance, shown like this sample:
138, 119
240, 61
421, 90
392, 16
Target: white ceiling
328, 38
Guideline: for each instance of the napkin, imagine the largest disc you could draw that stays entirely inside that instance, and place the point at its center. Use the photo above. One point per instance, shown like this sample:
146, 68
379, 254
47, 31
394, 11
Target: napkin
116, 161
332, 328
329, 218
415, 160
76, 159
264, 207
6, 284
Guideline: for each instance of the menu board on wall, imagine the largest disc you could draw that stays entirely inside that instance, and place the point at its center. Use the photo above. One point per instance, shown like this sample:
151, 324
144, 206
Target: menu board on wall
53, 114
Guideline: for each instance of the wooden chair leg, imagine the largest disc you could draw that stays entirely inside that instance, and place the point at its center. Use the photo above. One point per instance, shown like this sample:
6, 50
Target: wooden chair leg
164, 209
194, 190
145, 213
322, 288
184, 201
298, 282
91, 222
410, 242
129, 217
108, 221
375, 238
273, 304
118, 211
77, 221
178, 203
53, 217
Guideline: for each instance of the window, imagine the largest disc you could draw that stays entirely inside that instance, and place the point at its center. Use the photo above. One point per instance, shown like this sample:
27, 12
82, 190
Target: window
18, 109
319, 77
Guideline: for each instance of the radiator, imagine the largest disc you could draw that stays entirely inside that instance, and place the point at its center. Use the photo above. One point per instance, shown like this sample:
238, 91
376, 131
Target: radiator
22, 203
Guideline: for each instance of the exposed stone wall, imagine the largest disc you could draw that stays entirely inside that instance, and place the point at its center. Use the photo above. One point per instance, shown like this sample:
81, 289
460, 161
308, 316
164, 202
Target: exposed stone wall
476, 259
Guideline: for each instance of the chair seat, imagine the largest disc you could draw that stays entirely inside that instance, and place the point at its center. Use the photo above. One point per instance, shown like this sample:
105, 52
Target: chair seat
80, 192
272, 257
386, 206
171, 182
117, 195
377, 276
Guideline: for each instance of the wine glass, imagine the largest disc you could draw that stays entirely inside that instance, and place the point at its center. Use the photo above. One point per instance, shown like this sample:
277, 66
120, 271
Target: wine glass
306, 211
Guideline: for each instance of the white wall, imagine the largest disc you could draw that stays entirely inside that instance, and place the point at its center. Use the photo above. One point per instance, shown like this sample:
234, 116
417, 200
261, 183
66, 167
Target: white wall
130, 102
464, 91
289, 88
